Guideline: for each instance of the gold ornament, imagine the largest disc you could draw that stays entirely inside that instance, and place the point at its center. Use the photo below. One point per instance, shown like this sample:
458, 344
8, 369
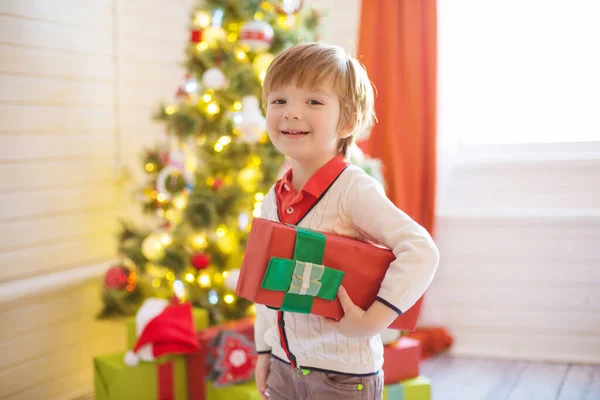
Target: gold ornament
152, 247
249, 178
213, 35
150, 167
174, 215
286, 22
261, 63
228, 243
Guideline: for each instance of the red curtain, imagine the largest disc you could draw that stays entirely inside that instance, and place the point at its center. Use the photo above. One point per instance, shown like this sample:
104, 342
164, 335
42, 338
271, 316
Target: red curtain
398, 46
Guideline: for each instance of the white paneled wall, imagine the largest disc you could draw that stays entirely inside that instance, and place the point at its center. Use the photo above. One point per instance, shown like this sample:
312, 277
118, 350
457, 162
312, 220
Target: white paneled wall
78, 85
519, 275
56, 135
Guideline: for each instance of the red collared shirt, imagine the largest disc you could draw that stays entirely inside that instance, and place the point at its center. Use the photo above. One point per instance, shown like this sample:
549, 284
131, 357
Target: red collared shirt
293, 206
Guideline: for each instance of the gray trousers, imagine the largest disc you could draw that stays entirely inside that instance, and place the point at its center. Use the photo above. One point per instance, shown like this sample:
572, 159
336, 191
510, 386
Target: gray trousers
287, 383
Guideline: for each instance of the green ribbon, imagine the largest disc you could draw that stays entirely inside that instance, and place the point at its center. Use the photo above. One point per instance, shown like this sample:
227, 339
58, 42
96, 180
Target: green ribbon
304, 277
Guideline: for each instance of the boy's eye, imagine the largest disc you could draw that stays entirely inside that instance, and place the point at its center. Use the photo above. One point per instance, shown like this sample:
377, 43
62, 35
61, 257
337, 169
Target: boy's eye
314, 102
278, 101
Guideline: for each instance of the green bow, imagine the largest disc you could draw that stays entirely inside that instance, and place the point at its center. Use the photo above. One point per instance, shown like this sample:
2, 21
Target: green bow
304, 277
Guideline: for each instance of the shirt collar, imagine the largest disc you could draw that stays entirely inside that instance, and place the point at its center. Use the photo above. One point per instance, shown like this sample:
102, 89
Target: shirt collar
320, 181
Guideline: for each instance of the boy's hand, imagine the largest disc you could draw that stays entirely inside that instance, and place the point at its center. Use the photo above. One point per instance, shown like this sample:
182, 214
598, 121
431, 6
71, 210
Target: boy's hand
352, 323
358, 323
261, 373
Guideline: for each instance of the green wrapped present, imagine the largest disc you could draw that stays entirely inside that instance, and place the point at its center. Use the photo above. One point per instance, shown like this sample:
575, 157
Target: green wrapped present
418, 388
165, 378
240, 391
200, 317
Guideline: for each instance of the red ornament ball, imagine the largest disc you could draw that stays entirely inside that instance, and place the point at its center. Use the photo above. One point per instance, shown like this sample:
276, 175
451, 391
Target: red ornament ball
200, 261
196, 36
116, 278
218, 184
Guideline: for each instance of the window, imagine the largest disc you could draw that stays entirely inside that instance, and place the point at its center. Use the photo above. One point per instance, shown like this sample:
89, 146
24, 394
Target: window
519, 71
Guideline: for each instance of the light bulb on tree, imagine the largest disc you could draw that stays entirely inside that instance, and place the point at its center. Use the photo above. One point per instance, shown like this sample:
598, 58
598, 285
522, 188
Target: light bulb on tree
213, 108
204, 280
202, 19
199, 241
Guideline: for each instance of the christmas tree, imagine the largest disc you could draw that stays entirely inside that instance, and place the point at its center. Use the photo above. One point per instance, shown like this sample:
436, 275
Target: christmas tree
208, 179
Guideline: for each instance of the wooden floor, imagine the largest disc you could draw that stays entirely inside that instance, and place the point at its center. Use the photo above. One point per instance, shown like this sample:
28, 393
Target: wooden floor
481, 379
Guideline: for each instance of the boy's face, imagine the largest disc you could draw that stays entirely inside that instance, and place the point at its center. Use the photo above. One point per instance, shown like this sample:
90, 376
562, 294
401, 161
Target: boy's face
303, 122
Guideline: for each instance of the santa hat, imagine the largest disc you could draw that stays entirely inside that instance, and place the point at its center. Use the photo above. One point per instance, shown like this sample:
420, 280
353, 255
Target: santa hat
163, 328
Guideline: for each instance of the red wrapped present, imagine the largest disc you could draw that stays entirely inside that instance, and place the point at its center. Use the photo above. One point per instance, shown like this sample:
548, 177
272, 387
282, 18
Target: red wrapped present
200, 364
433, 339
299, 270
401, 360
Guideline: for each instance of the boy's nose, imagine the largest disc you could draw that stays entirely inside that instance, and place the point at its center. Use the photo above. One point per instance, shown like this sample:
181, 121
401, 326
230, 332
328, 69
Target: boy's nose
291, 113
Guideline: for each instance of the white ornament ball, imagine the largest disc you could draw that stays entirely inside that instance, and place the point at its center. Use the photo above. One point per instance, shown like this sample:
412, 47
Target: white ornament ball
257, 35
232, 279
254, 124
214, 78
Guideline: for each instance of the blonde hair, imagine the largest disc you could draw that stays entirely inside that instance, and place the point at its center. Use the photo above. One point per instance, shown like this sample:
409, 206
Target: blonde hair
310, 65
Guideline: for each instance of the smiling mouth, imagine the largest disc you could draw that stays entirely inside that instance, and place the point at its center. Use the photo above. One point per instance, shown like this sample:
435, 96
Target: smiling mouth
294, 132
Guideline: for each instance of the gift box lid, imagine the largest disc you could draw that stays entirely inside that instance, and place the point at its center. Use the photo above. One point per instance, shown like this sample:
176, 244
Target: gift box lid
401, 360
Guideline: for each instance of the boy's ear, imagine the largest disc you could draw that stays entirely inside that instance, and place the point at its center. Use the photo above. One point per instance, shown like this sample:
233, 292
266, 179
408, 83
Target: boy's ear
347, 130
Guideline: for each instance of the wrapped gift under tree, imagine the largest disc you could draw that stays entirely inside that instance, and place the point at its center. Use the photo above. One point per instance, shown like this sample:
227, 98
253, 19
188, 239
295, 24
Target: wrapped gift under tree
295, 269
401, 360
163, 379
160, 337
418, 388
223, 368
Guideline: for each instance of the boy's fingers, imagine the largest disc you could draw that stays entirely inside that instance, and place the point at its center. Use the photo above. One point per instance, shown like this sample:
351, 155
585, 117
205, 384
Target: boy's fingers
345, 300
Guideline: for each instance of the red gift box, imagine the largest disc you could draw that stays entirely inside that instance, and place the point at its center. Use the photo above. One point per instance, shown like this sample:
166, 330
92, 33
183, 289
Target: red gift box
197, 366
364, 266
401, 360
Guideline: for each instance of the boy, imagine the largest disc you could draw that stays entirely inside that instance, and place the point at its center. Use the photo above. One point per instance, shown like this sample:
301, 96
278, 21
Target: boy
317, 99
